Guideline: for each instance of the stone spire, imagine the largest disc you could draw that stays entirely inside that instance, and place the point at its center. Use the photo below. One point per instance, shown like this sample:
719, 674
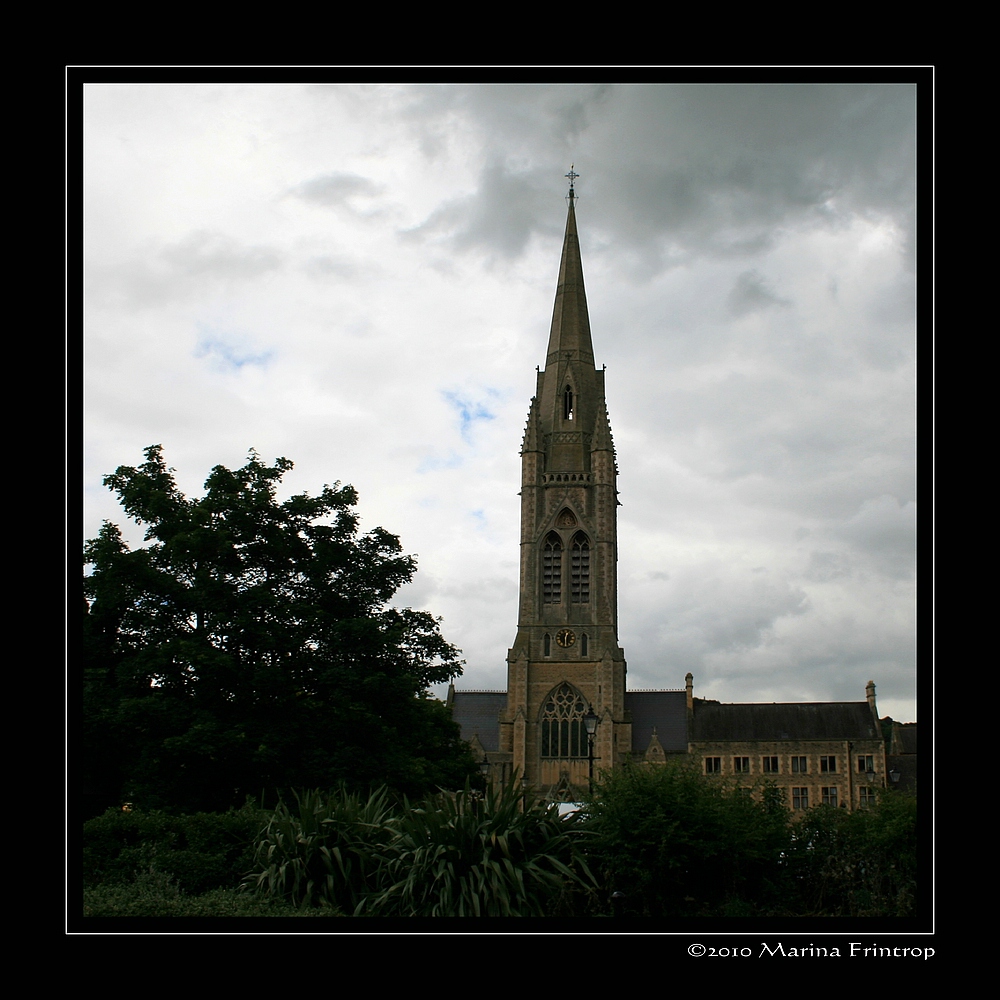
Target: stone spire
569, 337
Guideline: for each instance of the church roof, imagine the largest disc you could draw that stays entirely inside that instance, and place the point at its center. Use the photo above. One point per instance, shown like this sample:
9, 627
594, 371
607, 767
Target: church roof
478, 713
569, 336
664, 710
904, 737
838, 720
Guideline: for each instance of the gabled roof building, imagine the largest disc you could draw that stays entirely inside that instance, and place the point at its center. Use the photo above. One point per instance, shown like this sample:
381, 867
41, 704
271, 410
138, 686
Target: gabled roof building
828, 753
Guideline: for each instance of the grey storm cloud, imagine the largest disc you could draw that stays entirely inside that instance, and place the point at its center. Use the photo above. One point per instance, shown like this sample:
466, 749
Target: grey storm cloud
215, 255
885, 528
745, 606
498, 219
338, 190
751, 294
517, 119
202, 260
711, 168
669, 172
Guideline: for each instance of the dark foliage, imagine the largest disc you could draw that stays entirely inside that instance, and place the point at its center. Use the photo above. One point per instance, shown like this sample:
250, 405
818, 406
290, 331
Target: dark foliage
248, 648
490, 854
859, 864
678, 845
197, 852
454, 854
153, 894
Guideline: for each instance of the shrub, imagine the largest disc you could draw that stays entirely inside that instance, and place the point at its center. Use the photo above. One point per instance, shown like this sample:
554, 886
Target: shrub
859, 864
459, 854
201, 852
155, 894
325, 852
475, 854
678, 844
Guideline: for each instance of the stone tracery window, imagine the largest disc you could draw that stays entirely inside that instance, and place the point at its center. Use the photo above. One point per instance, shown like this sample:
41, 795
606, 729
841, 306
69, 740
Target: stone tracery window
563, 731
580, 569
552, 569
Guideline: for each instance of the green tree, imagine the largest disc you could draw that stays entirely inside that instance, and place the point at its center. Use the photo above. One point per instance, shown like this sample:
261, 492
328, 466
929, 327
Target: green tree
248, 646
857, 864
678, 844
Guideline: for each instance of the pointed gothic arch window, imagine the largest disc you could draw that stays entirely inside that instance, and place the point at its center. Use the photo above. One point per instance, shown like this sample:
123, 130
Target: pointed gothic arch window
563, 732
568, 403
583, 644
580, 569
547, 644
552, 569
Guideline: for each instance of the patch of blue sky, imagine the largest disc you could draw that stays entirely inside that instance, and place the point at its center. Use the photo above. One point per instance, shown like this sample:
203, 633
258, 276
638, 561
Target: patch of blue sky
479, 516
469, 411
228, 351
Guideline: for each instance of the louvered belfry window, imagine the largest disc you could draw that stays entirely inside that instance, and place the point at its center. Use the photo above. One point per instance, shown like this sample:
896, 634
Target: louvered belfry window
552, 570
563, 731
580, 570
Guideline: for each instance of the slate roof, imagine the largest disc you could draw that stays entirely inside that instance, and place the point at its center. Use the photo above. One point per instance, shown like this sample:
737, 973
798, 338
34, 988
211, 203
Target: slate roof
904, 737
667, 711
783, 721
478, 713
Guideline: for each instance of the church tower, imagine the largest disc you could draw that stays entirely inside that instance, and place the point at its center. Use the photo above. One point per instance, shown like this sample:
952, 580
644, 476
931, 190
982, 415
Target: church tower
565, 669
566, 661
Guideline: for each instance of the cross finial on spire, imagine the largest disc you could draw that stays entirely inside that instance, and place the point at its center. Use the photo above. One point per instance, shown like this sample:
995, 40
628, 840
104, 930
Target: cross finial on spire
572, 175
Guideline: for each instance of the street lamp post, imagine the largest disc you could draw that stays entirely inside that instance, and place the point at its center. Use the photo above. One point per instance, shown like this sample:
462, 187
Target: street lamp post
590, 721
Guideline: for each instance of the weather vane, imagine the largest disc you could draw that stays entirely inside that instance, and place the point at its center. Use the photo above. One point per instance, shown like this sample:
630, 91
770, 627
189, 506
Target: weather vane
572, 175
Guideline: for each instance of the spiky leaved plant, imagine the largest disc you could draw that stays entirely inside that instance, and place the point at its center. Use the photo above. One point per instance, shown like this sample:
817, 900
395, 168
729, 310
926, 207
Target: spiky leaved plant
475, 854
326, 852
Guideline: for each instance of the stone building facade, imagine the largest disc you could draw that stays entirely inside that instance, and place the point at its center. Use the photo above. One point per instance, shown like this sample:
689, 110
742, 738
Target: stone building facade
829, 753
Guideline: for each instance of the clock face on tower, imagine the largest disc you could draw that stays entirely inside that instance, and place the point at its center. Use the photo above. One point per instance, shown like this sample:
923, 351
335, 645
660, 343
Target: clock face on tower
565, 637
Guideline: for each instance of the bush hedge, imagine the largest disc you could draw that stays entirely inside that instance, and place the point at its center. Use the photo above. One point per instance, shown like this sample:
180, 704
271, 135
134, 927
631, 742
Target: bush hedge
200, 852
155, 894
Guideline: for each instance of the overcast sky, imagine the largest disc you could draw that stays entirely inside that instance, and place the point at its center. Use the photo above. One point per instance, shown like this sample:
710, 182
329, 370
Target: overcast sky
360, 278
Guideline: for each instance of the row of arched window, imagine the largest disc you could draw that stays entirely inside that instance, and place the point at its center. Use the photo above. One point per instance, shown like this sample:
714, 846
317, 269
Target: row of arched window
578, 569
